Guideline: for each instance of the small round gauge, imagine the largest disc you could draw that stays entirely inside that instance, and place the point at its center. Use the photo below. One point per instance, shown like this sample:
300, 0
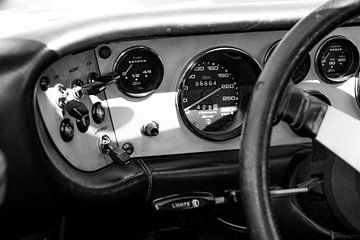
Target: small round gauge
300, 71
337, 59
214, 92
141, 71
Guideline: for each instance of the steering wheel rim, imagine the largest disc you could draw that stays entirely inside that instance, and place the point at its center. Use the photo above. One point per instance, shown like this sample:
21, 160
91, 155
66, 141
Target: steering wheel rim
271, 86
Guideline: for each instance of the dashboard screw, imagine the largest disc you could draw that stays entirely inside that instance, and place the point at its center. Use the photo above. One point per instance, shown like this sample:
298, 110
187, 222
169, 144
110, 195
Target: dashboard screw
128, 147
105, 52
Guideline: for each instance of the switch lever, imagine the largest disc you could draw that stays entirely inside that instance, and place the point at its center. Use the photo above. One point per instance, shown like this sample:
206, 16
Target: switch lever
108, 79
98, 84
93, 88
120, 156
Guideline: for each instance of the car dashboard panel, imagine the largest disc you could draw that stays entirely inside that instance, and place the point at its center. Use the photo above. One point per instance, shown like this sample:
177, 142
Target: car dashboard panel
144, 118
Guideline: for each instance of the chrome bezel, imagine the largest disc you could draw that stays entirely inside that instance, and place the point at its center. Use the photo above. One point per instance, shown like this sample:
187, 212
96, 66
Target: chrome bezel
206, 135
157, 82
351, 70
295, 80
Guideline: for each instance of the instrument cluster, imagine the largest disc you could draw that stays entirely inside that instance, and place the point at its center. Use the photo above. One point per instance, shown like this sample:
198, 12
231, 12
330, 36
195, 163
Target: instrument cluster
144, 98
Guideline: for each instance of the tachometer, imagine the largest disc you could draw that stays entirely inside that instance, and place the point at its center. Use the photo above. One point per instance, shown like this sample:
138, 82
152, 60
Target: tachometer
214, 92
337, 59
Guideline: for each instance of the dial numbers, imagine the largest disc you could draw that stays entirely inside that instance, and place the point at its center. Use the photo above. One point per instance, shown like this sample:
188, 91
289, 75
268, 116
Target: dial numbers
212, 101
337, 59
214, 92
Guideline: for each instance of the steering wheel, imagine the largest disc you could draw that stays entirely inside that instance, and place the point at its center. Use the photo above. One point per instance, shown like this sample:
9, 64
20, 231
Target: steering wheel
275, 93
2, 177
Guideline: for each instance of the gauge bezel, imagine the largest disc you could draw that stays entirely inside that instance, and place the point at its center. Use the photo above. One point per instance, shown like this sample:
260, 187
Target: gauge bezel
308, 61
354, 65
157, 80
207, 135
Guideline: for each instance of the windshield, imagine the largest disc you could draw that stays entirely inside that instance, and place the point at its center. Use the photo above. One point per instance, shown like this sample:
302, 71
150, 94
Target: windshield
29, 5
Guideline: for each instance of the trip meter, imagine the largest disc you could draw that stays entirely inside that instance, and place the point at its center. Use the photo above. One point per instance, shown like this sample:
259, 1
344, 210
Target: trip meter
214, 92
337, 59
141, 71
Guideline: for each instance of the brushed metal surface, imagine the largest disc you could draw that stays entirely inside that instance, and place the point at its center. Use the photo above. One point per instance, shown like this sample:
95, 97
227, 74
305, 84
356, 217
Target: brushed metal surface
130, 114
82, 151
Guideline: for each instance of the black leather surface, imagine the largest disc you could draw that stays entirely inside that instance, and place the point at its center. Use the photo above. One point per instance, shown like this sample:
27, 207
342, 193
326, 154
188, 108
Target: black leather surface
268, 92
210, 172
3, 180
34, 165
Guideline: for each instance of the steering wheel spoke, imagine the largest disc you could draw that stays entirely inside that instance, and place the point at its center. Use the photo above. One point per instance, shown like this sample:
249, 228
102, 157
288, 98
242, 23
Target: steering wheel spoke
303, 112
306, 116
340, 133
309, 117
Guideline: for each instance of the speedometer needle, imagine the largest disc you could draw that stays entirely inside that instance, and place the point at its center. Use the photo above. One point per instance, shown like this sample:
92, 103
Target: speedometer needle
203, 98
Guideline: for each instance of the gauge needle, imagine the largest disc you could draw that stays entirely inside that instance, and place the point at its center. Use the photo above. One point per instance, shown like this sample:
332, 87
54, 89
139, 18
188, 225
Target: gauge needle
127, 70
326, 57
203, 98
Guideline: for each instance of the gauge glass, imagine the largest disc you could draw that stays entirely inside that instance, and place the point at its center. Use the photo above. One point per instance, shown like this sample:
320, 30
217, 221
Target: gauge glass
212, 95
215, 90
337, 59
141, 71
301, 70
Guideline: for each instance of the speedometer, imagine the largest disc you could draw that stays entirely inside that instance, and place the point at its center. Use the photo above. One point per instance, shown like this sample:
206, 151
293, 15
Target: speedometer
214, 92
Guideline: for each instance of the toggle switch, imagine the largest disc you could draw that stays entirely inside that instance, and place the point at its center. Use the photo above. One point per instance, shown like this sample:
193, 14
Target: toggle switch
93, 88
120, 156
97, 84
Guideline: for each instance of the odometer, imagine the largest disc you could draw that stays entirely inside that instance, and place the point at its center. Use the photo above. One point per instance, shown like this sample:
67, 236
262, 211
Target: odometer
214, 92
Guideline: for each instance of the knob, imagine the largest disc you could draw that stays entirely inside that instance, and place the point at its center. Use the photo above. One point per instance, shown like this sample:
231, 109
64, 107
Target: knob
83, 123
76, 109
120, 156
151, 129
66, 130
98, 113
92, 77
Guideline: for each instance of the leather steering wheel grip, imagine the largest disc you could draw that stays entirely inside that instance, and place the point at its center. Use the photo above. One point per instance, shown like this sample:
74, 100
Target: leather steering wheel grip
269, 91
2, 177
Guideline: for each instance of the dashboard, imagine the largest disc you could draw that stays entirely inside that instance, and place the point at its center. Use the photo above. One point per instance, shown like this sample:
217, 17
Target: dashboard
178, 95
108, 111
